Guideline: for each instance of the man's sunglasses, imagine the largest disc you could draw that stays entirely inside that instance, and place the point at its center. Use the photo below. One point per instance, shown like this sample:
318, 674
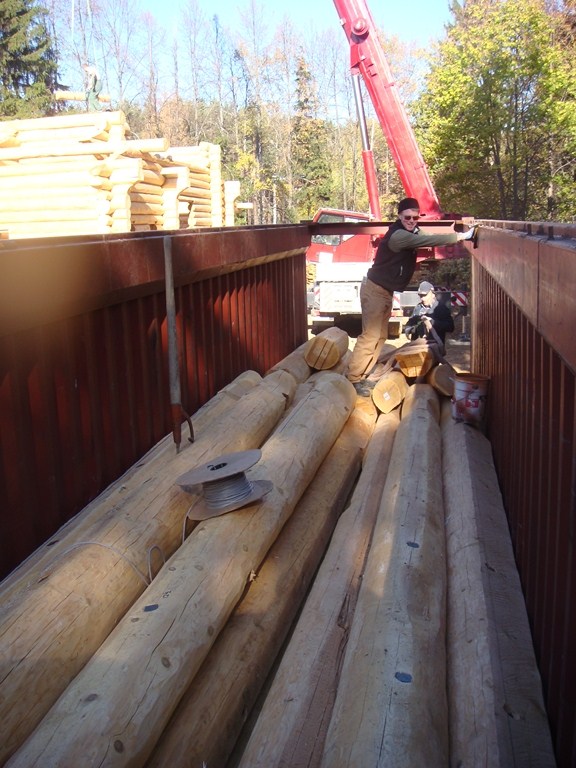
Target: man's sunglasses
410, 218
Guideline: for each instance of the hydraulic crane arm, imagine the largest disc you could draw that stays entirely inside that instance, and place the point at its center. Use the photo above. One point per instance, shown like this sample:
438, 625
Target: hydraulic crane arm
367, 59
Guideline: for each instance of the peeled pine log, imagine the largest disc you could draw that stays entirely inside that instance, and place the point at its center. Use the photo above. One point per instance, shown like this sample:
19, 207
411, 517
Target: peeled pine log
391, 708
441, 378
206, 725
292, 723
154, 209
79, 96
87, 199
23, 230
54, 215
131, 685
140, 218
92, 584
49, 148
294, 364
390, 391
76, 133
326, 349
305, 387
415, 360
152, 464
58, 169
423, 398
65, 121
497, 712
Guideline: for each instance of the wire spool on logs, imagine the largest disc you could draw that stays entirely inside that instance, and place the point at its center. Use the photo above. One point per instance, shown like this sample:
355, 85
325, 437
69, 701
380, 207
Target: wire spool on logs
223, 485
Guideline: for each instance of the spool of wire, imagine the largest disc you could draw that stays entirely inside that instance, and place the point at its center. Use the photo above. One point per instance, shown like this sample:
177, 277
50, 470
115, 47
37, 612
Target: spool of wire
222, 485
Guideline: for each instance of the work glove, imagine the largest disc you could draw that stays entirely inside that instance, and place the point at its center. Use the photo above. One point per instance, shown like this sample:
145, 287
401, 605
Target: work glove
470, 234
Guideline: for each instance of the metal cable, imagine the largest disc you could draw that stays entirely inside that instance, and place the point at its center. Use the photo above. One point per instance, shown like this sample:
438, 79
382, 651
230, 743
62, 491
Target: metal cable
221, 493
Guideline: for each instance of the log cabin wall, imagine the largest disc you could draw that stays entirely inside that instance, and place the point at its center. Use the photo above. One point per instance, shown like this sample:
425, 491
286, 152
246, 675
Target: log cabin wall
524, 338
84, 386
84, 174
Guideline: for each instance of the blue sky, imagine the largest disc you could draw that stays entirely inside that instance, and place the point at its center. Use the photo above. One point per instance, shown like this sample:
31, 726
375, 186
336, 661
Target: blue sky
418, 21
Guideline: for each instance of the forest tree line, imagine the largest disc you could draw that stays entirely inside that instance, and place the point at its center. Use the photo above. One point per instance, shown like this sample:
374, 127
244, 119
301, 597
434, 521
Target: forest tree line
492, 102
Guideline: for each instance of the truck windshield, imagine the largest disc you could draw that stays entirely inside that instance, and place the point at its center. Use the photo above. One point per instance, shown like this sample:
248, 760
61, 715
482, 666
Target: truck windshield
335, 218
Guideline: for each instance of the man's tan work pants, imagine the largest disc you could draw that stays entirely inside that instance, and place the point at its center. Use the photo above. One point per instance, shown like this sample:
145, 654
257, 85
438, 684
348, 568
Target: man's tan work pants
376, 304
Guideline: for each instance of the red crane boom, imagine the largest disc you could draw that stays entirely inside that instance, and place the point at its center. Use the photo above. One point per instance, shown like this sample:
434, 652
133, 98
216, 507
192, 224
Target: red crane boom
367, 59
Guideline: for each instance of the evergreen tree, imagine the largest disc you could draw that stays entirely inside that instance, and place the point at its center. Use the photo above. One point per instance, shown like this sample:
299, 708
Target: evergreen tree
27, 60
311, 168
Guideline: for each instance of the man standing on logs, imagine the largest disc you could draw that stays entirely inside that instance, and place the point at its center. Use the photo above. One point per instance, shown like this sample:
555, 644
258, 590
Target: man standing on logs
392, 270
93, 87
430, 319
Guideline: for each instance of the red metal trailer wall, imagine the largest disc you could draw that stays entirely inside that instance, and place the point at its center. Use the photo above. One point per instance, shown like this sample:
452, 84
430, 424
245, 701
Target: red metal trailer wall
524, 338
83, 354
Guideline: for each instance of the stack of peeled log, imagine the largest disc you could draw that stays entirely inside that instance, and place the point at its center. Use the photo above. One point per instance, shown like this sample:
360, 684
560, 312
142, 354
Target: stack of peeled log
75, 174
416, 361
139, 637
377, 671
88, 613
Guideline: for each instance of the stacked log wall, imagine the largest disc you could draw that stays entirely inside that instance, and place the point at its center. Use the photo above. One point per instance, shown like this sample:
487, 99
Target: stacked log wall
83, 174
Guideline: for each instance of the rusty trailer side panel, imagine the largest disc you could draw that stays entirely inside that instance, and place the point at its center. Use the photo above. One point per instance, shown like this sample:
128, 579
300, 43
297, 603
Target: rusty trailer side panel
524, 338
84, 387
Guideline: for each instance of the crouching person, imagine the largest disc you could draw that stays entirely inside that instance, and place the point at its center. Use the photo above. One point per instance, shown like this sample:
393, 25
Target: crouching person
430, 319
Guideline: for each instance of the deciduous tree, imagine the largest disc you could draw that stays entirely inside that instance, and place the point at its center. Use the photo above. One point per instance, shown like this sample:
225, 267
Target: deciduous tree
497, 107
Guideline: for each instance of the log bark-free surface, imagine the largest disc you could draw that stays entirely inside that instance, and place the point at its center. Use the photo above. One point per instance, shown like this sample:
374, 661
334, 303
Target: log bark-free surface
326, 349
389, 391
115, 709
415, 360
50, 630
441, 378
294, 364
208, 720
292, 724
391, 707
153, 464
497, 713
